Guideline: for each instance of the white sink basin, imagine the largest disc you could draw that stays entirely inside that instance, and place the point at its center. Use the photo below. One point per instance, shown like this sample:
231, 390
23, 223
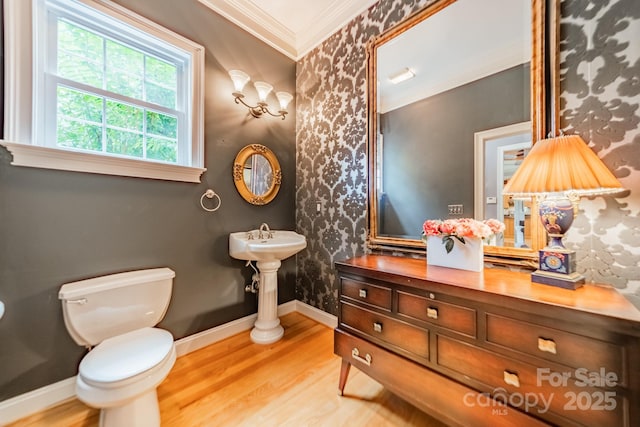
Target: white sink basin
282, 245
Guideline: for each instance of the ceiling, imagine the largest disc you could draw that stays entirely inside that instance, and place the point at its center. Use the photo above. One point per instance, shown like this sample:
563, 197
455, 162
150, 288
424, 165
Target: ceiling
293, 27
441, 56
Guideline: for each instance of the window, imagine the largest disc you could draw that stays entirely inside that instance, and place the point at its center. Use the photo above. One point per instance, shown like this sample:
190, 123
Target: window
111, 92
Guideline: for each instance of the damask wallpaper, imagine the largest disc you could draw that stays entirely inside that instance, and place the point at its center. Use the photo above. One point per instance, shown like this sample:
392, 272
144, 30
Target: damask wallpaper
600, 87
600, 100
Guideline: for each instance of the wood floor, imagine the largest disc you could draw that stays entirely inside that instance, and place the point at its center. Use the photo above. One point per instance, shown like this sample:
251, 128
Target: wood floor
234, 382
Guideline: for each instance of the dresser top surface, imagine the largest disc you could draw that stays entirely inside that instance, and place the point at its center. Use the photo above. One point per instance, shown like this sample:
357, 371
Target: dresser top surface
590, 298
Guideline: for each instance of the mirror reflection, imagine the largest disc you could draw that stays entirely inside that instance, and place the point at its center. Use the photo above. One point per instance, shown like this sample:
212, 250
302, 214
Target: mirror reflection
428, 103
461, 82
257, 174
498, 153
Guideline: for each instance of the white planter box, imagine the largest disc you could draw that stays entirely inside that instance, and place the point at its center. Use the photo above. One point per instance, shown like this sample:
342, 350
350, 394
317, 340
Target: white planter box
469, 256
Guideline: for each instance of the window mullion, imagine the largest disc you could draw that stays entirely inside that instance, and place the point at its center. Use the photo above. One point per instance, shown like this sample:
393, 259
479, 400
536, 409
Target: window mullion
104, 99
115, 96
44, 113
144, 110
47, 136
104, 64
184, 143
144, 133
104, 125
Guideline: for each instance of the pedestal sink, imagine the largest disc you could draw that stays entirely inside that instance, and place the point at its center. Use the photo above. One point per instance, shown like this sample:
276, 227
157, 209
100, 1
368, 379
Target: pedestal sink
268, 248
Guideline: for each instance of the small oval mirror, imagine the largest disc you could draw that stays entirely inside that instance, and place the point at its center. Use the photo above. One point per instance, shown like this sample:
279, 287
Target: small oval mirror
257, 174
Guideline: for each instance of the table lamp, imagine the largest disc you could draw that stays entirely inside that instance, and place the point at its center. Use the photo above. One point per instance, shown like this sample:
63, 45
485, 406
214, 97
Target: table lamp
558, 171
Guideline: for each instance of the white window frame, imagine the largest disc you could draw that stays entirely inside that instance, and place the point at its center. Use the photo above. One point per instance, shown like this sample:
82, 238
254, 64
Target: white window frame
24, 133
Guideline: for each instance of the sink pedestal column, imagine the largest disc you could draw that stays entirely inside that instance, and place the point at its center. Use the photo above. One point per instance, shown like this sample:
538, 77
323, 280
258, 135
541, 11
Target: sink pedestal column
267, 328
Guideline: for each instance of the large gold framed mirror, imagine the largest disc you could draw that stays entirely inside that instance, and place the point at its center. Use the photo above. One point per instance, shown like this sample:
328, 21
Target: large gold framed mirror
257, 174
476, 81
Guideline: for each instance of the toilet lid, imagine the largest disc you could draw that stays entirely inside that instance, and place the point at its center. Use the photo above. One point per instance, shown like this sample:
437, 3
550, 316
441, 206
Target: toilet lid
127, 355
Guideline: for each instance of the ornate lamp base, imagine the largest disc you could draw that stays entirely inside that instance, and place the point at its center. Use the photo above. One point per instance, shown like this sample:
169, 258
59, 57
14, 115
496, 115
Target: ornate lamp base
557, 264
558, 268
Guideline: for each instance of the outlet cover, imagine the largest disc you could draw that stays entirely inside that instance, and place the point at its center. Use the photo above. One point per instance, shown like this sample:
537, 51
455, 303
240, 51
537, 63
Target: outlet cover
455, 209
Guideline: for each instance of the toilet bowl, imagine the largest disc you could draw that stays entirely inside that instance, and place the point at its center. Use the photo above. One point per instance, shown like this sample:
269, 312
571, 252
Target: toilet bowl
131, 358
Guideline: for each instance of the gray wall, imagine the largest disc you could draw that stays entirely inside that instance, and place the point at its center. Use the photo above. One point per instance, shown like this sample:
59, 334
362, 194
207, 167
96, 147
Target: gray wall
428, 148
60, 226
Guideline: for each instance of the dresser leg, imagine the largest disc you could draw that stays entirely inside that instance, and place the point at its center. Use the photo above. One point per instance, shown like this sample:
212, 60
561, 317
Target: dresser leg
344, 373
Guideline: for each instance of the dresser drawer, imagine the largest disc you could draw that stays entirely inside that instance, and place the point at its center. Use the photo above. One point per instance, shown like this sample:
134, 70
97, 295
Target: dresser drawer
569, 349
378, 296
454, 317
400, 334
428, 390
535, 389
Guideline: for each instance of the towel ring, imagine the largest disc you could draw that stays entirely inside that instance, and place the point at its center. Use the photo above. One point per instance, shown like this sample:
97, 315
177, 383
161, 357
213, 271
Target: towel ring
210, 194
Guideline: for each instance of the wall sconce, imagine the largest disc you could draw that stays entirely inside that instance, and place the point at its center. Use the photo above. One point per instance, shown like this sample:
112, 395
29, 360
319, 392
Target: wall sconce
240, 79
558, 171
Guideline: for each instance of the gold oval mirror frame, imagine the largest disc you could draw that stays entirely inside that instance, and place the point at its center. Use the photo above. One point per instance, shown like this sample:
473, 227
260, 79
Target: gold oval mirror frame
257, 174
524, 257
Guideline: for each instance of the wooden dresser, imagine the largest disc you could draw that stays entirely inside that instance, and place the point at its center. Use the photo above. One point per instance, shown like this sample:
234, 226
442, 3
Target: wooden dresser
460, 344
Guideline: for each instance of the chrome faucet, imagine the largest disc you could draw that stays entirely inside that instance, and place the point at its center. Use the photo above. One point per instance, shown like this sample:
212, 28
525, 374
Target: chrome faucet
264, 227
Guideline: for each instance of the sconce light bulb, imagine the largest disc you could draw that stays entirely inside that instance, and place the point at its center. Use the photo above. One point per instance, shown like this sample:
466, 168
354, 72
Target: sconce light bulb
239, 79
263, 89
284, 98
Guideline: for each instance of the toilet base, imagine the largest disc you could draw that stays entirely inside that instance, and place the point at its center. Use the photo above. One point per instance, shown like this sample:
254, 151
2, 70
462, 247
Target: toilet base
142, 411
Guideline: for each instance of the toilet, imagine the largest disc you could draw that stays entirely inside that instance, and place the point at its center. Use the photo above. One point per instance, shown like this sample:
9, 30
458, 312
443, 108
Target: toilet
114, 316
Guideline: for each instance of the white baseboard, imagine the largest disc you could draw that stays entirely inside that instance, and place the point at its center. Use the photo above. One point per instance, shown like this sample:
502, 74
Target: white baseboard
316, 314
37, 400
54, 394
287, 307
202, 339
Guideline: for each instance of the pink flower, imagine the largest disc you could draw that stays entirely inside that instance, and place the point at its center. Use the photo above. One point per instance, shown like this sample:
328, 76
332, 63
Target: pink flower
449, 226
431, 227
495, 225
462, 227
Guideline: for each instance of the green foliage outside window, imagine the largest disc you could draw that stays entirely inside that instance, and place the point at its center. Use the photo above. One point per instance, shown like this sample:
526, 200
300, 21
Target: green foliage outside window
80, 55
93, 121
79, 120
160, 82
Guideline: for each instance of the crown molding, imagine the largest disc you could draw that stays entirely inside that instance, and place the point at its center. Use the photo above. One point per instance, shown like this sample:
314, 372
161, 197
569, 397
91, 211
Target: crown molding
250, 17
339, 14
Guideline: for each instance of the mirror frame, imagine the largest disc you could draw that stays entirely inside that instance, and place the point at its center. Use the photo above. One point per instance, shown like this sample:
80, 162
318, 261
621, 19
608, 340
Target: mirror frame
238, 174
540, 22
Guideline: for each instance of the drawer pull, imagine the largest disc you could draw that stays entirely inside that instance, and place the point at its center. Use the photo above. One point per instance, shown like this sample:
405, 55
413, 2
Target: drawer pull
362, 293
377, 327
355, 353
546, 345
511, 379
432, 313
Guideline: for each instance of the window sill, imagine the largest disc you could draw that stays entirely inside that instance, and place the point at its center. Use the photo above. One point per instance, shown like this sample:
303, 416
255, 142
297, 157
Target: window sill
52, 158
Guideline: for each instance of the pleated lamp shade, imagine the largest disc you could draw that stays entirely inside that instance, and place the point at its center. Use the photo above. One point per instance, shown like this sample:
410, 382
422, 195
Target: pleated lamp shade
562, 164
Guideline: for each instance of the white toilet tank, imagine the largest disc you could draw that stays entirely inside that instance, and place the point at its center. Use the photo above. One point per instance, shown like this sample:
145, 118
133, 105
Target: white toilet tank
103, 307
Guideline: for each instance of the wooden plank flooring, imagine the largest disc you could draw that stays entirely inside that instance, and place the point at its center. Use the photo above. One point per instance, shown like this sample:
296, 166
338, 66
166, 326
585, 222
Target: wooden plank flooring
234, 382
